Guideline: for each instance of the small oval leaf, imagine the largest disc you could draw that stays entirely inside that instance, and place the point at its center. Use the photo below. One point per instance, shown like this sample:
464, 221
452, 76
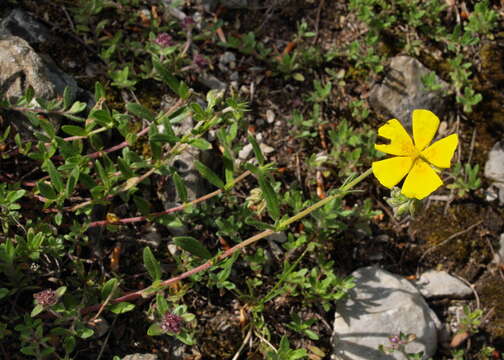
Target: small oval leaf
151, 264
208, 174
193, 246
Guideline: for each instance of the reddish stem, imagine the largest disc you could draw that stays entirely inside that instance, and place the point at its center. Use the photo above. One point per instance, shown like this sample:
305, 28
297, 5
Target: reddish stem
138, 294
168, 211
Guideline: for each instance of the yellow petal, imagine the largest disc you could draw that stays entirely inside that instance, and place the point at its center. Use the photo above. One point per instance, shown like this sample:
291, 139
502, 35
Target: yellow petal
400, 141
425, 125
421, 181
390, 171
441, 152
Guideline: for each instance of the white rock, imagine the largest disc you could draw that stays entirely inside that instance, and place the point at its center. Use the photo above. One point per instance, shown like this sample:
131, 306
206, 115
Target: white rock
270, 116
245, 152
382, 305
266, 149
499, 255
436, 284
494, 167
402, 90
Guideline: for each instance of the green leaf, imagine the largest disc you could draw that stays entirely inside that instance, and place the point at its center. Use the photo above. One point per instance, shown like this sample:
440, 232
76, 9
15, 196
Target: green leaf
102, 117
55, 176
73, 117
69, 344
167, 126
122, 307
142, 204
67, 97
258, 224
46, 190
161, 303
151, 264
77, 107
140, 111
3, 292
180, 187
99, 91
74, 130
72, 181
14, 196
257, 150
37, 310
84, 333
102, 173
156, 148
61, 291
29, 94
178, 87
193, 246
107, 288
155, 330
165, 138
311, 334
201, 144
186, 337
48, 128
124, 168
298, 77
29, 350
208, 174
213, 96
270, 196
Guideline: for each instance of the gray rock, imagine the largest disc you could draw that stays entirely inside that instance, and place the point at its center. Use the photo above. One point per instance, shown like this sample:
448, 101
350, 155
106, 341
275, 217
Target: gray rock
270, 116
184, 164
494, 167
402, 91
266, 149
19, 23
234, 77
141, 357
492, 193
454, 313
212, 82
245, 152
499, 255
436, 284
227, 61
152, 237
494, 170
279, 237
382, 305
22, 67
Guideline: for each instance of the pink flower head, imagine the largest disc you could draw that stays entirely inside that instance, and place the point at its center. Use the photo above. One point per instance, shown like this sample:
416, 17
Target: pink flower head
188, 22
164, 40
199, 61
171, 322
46, 298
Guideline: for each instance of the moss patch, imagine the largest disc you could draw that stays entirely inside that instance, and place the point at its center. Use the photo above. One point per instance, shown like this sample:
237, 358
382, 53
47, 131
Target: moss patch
433, 227
491, 291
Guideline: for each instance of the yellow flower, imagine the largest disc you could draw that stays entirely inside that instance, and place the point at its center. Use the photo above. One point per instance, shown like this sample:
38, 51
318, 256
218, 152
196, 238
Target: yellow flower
418, 160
